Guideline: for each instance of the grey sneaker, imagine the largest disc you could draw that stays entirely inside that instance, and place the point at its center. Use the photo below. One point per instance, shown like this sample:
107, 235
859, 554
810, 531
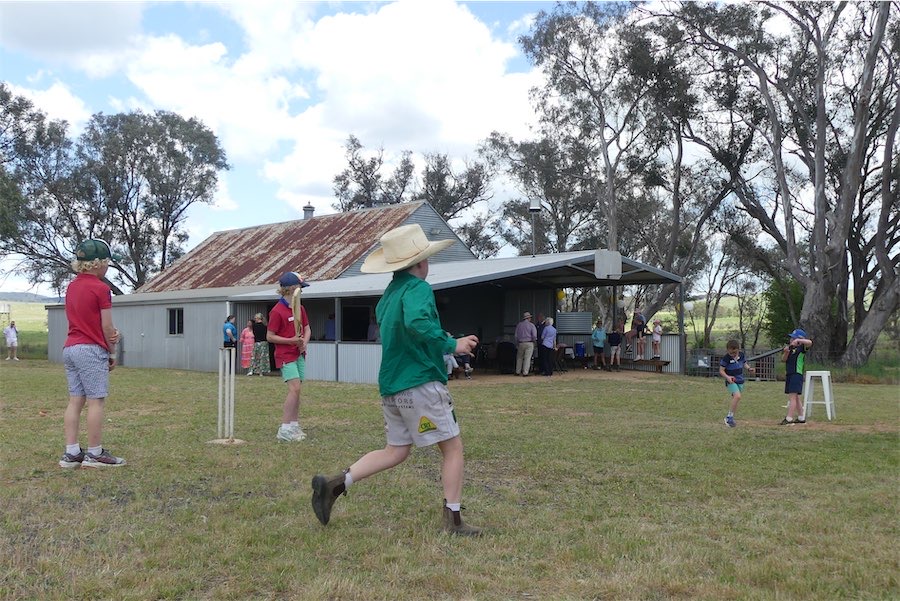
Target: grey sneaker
70, 461
454, 524
325, 493
104, 459
289, 433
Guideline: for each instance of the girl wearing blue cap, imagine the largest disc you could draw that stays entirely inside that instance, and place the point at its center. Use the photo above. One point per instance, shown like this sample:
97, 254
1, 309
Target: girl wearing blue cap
794, 356
290, 353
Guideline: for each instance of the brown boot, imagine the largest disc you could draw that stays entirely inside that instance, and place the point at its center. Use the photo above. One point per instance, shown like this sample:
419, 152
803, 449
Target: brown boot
325, 493
454, 524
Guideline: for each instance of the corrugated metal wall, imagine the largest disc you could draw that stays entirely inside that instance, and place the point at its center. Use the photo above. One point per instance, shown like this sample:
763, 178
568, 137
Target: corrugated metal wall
145, 339
518, 301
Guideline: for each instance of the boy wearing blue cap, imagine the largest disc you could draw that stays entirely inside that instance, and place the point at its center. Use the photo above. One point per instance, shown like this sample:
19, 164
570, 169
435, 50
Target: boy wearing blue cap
794, 356
290, 353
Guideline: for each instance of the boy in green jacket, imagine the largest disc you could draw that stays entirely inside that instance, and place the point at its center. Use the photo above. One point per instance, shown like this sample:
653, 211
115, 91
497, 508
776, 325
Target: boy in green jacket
412, 380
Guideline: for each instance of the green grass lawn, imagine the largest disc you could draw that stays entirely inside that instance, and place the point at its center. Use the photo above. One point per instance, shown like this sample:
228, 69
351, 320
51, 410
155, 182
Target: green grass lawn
589, 485
31, 322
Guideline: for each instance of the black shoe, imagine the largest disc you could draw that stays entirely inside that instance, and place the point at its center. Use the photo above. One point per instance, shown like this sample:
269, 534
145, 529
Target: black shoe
799, 421
325, 493
787, 422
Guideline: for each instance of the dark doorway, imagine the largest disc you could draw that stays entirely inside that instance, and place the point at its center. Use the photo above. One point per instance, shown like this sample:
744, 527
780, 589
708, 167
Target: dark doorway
355, 323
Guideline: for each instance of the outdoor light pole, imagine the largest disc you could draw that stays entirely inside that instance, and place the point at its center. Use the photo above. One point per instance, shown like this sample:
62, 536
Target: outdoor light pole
534, 207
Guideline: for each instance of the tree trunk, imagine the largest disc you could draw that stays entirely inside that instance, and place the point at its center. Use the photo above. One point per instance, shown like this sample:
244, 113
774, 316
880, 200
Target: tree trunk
816, 318
866, 335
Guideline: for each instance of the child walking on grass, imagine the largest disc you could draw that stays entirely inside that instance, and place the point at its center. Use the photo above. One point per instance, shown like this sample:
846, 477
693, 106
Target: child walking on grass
416, 405
731, 367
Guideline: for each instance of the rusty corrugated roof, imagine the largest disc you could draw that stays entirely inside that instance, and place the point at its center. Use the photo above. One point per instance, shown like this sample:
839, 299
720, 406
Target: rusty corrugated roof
320, 248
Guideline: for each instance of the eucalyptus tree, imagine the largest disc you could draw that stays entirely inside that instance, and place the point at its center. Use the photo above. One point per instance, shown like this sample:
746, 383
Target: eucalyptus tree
363, 184
129, 179
550, 173
825, 77
453, 192
591, 96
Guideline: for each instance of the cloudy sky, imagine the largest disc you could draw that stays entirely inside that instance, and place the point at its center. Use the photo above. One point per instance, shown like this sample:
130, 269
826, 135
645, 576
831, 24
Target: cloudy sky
281, 83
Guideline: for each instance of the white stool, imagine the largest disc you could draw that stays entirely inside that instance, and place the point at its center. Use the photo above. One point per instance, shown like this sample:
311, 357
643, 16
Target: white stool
808, 396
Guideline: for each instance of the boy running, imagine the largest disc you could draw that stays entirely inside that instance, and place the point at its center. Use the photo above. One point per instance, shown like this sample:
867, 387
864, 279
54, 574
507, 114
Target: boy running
731, 367
416, 404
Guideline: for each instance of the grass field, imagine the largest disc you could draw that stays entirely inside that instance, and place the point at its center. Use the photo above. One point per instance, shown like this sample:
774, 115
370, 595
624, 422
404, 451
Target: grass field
590, 485
31, 322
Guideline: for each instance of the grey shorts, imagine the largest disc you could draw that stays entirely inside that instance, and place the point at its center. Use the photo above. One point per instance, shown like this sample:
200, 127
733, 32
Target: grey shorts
422, 416
87, 370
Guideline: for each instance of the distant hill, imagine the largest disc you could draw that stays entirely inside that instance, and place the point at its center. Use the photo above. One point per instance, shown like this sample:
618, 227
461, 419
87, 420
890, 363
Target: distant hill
28, 297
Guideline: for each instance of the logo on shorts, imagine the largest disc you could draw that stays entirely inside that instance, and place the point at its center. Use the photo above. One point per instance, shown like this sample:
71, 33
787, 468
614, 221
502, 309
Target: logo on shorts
426, 425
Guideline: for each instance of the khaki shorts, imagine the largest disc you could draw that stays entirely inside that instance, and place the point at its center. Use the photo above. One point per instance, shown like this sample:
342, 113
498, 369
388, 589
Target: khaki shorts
421, 416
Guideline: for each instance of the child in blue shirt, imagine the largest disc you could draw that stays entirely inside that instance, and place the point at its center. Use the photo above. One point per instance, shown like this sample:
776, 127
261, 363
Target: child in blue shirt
731, 367
598, 339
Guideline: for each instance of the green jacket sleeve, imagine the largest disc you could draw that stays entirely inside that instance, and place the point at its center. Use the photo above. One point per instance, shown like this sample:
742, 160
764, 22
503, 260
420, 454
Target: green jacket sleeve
420, 318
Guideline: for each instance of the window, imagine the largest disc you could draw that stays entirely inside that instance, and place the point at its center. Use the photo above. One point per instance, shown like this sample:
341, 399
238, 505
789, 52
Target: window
176, 322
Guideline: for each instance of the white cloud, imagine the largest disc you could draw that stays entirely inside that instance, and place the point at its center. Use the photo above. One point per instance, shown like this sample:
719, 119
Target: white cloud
222, 200
58, 102
422, 76
426, 77
59, 29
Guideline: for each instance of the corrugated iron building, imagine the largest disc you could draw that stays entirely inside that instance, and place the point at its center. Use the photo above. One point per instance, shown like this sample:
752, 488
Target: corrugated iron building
175, 320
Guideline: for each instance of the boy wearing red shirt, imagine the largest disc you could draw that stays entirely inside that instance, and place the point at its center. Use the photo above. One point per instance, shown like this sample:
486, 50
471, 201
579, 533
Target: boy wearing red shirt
88, 354
290, 353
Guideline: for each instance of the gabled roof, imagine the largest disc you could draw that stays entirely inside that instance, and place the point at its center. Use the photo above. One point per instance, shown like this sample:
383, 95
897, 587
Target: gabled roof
320, 248
560, 270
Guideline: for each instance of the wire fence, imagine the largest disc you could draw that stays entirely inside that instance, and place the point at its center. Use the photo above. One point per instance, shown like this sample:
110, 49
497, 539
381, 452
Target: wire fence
882, 367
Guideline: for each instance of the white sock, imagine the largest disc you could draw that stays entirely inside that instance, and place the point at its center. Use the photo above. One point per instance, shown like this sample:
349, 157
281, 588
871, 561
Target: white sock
95, 450
453, 506
295, 424
348, 480
73, 449
790, 419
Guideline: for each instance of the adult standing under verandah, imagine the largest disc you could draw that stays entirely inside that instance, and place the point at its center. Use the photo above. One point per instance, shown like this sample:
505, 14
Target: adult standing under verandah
259, 361
548, 347
526, 337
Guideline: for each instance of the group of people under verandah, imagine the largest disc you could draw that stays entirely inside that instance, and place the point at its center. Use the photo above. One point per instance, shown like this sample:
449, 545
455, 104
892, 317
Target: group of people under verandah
530, 337
542, 337
417, 408
255, 347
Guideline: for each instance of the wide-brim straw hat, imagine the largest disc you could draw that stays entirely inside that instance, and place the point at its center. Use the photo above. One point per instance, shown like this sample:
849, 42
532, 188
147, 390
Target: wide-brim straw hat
401, 248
